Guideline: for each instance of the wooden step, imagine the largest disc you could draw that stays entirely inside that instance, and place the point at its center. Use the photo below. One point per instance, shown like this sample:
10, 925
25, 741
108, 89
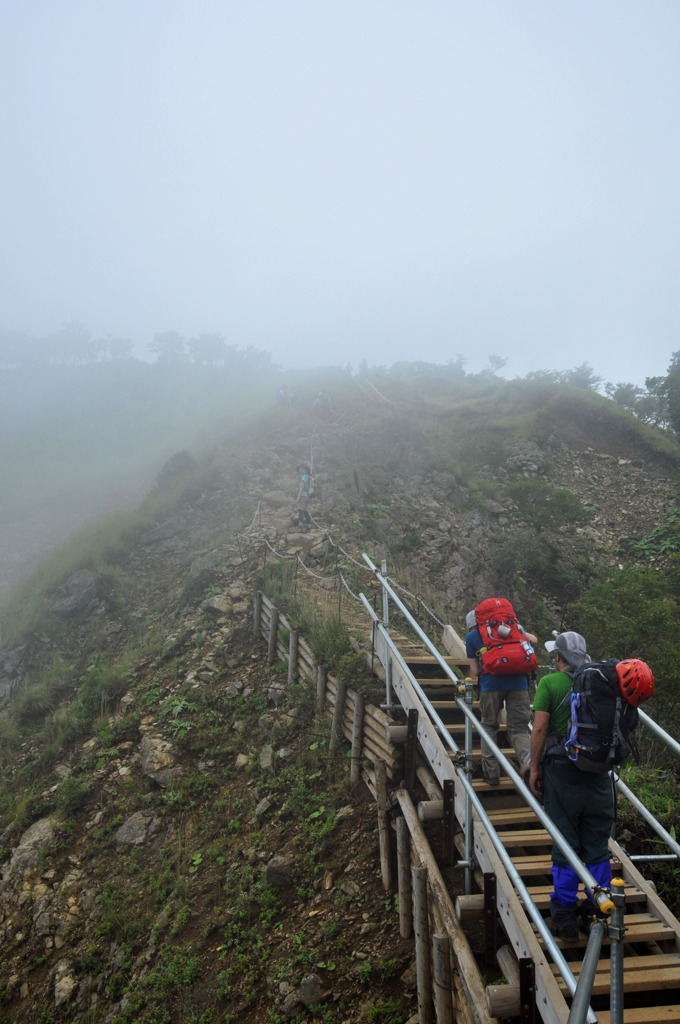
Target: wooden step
537, 864
644, 1015
481, 786
540, 894
522, 815
639, 928
526, 837
640, 973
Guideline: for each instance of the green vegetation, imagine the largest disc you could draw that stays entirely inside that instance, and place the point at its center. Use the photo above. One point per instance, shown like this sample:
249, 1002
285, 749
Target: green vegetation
188, 925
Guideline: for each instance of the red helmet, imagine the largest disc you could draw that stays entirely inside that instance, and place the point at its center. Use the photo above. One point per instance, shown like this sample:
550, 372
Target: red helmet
636, 680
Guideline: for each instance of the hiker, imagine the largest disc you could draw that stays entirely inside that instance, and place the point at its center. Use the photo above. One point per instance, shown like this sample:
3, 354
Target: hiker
580, 803
495, 692
303, 495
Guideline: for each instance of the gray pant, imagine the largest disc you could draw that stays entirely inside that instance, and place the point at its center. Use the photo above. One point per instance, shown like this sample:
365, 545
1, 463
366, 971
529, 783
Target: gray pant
518, 712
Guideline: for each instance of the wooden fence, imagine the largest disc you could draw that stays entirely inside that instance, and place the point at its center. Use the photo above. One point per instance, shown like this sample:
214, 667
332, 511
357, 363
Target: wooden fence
450, 987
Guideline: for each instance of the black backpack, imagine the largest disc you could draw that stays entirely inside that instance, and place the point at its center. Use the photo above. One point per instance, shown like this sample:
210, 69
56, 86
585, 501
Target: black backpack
601, 718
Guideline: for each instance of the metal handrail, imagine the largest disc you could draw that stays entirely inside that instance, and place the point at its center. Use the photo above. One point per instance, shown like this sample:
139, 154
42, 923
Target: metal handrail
652, 822
513, 875
581, 870
668, 740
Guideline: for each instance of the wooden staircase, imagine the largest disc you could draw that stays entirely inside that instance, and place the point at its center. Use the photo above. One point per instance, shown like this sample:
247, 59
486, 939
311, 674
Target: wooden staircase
652, 936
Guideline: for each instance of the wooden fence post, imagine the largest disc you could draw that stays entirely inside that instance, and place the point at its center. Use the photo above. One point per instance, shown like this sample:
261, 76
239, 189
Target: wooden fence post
257, 612
421, 927
320, 672
357, 738
383, 825
441, 969
404, 878
293, 643
338, 715
273, 636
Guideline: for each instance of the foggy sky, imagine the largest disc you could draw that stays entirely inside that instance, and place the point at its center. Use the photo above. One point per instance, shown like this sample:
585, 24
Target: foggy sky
333, 181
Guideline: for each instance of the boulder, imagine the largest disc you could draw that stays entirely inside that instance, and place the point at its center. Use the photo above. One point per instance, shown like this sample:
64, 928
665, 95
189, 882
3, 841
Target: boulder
77, 598
159, 760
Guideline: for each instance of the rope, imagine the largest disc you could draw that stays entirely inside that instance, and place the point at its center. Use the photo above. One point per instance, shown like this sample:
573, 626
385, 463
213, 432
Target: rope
348, 589
246, 532
279, 554
310, 572
415, 597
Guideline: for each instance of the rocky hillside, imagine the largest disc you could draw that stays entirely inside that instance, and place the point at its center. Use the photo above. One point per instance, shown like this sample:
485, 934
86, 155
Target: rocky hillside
177, 843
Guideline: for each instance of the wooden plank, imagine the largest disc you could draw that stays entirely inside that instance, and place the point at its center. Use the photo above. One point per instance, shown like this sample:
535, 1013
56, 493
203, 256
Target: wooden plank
636, 981
630, 873
533, 864
526, 837
644, 1015
512, 815
639, 928
540, 894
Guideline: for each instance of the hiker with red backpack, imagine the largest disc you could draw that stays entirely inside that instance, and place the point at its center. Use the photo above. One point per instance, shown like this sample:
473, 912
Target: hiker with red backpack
501, 656
583, 715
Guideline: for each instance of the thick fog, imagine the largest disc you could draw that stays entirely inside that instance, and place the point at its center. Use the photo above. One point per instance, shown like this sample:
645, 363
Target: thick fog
333, 182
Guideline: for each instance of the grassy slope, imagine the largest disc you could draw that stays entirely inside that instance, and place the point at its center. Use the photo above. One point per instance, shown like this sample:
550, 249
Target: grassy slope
198, 889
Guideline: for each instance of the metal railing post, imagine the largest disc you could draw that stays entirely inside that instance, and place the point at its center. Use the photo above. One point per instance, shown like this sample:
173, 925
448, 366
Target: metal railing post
617, 933
584, 985
386, 624
469, 874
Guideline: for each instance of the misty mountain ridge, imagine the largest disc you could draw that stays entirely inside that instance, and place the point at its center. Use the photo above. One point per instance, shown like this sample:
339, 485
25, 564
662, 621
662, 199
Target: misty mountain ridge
139, 707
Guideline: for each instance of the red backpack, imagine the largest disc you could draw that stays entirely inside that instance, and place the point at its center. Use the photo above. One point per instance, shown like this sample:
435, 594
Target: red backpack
505, 649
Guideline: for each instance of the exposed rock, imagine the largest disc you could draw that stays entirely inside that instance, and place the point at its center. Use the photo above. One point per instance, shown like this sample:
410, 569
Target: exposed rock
161, 532
159, 760
279, 871
310, 990
267, 756
64, 983
262, 808
27, 853
77, 598
134, 831
219, 603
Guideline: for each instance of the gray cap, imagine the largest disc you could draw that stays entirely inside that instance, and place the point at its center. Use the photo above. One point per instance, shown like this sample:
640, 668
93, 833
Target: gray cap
471, 620
571, 646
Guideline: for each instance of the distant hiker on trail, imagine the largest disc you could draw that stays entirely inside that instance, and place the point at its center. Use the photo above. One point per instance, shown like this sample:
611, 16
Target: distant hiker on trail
303, 495
323, 407
499, 688
282, 396
581, 803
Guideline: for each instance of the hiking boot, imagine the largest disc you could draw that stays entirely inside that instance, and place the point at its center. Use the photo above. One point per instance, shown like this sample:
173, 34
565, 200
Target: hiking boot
564, 921
587, 913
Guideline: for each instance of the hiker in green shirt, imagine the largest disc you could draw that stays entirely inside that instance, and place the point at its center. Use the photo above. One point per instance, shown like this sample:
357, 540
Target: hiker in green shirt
580, 803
